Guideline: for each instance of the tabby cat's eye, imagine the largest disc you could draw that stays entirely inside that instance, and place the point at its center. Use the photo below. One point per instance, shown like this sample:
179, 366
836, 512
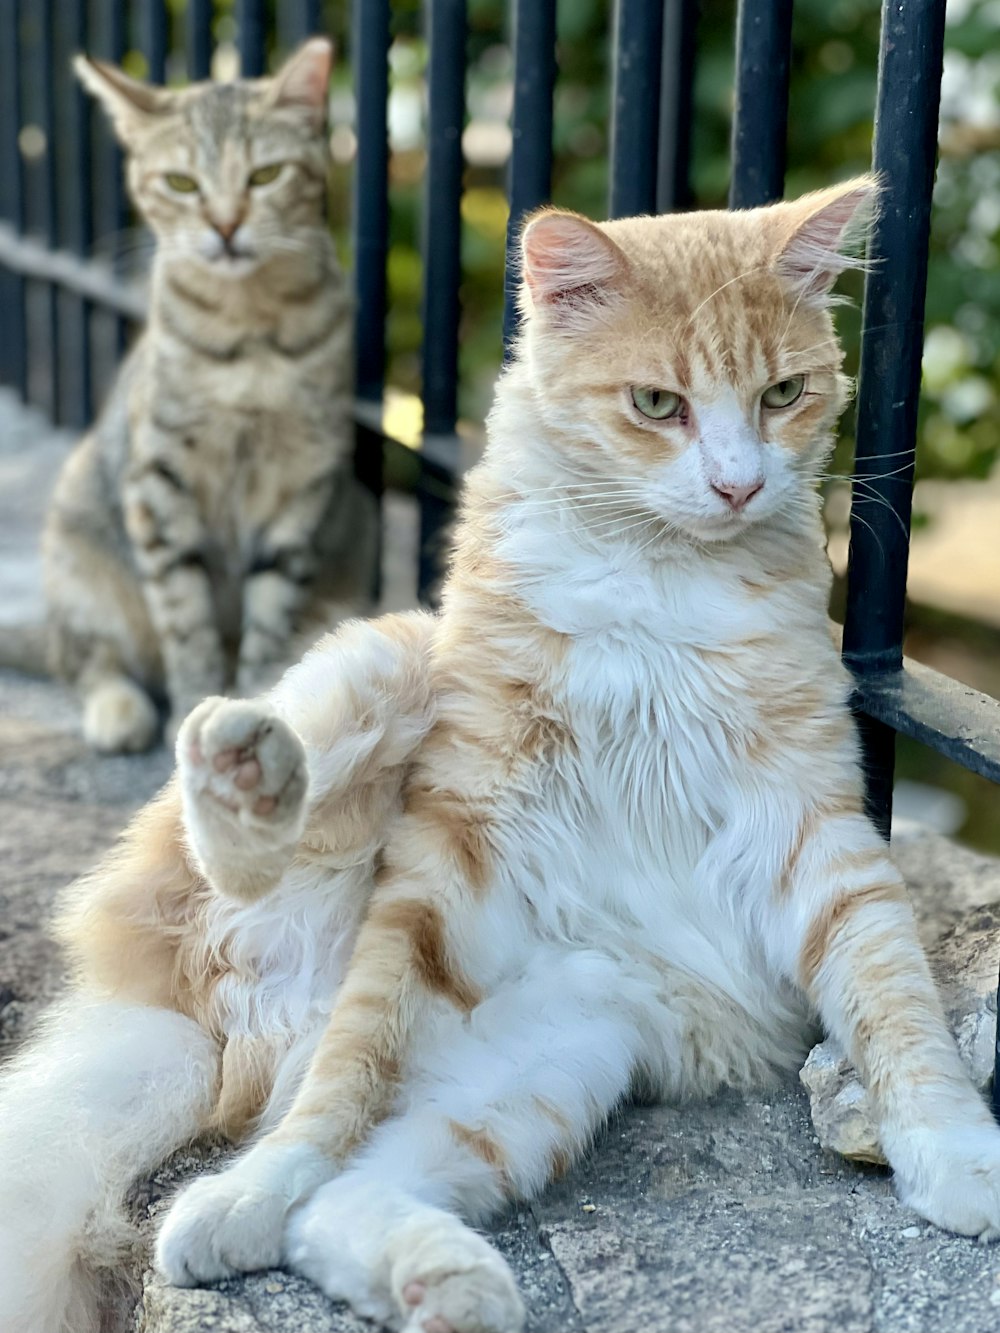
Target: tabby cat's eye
657, 404
784, 393
181, 183
265, 175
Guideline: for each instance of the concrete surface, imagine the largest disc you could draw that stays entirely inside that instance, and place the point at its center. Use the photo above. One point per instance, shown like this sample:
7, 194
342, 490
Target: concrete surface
721, 1216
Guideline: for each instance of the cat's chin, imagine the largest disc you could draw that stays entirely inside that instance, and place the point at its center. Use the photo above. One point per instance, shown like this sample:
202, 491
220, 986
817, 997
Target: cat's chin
233, 266
716, 529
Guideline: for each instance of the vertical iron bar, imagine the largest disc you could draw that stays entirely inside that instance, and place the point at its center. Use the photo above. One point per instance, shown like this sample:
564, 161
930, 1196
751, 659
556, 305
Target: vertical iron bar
13, 312
760, 116
76, 211
673, 176
638, 58
297, 20
111, 206
370, 30
370, 222
198, 39
531, 154
250, 35
153, 38
442, 215
42, 75
905, 150
442, 245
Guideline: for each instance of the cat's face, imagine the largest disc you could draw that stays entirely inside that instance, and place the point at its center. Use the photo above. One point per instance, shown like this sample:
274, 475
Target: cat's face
690, 360
228, 176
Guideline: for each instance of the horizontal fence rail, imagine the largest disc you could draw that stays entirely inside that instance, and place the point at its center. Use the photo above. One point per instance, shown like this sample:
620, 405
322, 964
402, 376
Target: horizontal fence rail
64, 293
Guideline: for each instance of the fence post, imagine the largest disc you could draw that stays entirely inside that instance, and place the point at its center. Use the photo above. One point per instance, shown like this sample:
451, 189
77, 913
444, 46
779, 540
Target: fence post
370, 221
42, 76
13, 312
531, 136
250, 37
760, 117
673, 172
442, 241
198, 39
905, 151
75, 211
635, 117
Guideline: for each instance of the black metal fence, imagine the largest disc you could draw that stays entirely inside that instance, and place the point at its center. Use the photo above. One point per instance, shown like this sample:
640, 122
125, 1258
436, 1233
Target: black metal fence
47, 235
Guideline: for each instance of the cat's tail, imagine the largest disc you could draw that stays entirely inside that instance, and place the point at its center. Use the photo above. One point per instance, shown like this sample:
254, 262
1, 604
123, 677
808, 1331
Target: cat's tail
102, 1095
25, 648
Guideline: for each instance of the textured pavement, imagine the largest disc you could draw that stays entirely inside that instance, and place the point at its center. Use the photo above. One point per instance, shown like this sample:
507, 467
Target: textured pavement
720, 1216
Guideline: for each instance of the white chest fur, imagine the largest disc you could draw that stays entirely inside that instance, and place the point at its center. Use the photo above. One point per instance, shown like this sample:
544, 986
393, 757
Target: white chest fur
678, 684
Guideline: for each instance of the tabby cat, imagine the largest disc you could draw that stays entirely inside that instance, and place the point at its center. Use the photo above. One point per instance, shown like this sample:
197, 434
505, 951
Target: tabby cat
212, 514
425, 914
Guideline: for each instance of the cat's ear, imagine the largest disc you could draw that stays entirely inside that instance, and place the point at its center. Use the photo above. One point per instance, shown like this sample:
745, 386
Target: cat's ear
568, 263
129, 103
823, 234
303, 81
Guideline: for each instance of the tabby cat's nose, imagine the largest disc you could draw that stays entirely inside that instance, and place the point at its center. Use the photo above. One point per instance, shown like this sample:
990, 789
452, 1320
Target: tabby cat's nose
226, 227
737, 496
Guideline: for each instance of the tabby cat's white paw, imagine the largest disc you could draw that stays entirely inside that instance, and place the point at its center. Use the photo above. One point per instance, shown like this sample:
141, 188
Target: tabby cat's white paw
234, 1222
240, 762
952, 1177
119, 717
417, 1269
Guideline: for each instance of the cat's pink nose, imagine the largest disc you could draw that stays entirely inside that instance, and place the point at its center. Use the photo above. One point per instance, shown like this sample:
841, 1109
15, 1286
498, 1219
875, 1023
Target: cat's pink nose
226, 227
737, 496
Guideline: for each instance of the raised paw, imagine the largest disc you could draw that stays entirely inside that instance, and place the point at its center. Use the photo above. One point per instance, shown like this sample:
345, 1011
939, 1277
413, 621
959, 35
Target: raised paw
243, 758
234, 1222
414, 1268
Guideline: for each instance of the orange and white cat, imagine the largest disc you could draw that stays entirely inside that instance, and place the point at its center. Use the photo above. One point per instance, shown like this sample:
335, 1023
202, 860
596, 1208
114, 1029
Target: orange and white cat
433, 907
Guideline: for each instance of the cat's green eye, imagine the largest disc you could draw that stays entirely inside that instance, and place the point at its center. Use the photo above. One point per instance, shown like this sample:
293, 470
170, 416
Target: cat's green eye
265, 175
180, 183
784, 393
657, 404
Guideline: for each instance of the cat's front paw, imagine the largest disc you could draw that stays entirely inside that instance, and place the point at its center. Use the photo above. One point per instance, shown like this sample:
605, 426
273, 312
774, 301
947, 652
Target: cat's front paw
234, 1222
952, 1177
394, 1260
239, 761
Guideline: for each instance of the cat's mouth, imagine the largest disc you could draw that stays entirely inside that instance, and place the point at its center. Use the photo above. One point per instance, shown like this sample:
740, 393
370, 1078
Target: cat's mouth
234, 259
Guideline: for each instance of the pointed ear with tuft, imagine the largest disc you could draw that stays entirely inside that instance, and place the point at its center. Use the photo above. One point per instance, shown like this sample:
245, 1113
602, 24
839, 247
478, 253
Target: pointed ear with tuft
823, 234
129, 103
569, 264
303, 81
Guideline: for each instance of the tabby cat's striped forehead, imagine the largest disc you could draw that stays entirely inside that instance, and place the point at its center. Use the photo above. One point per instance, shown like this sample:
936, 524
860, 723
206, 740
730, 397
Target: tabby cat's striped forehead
209, 117
290, 105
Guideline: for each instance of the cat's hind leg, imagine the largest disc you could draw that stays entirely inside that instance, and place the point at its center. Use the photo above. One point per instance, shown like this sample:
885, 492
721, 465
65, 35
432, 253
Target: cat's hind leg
503, 1104
104, 1093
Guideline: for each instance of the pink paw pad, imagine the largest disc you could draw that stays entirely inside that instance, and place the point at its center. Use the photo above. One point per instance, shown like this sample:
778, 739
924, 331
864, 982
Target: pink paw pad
413, 1294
